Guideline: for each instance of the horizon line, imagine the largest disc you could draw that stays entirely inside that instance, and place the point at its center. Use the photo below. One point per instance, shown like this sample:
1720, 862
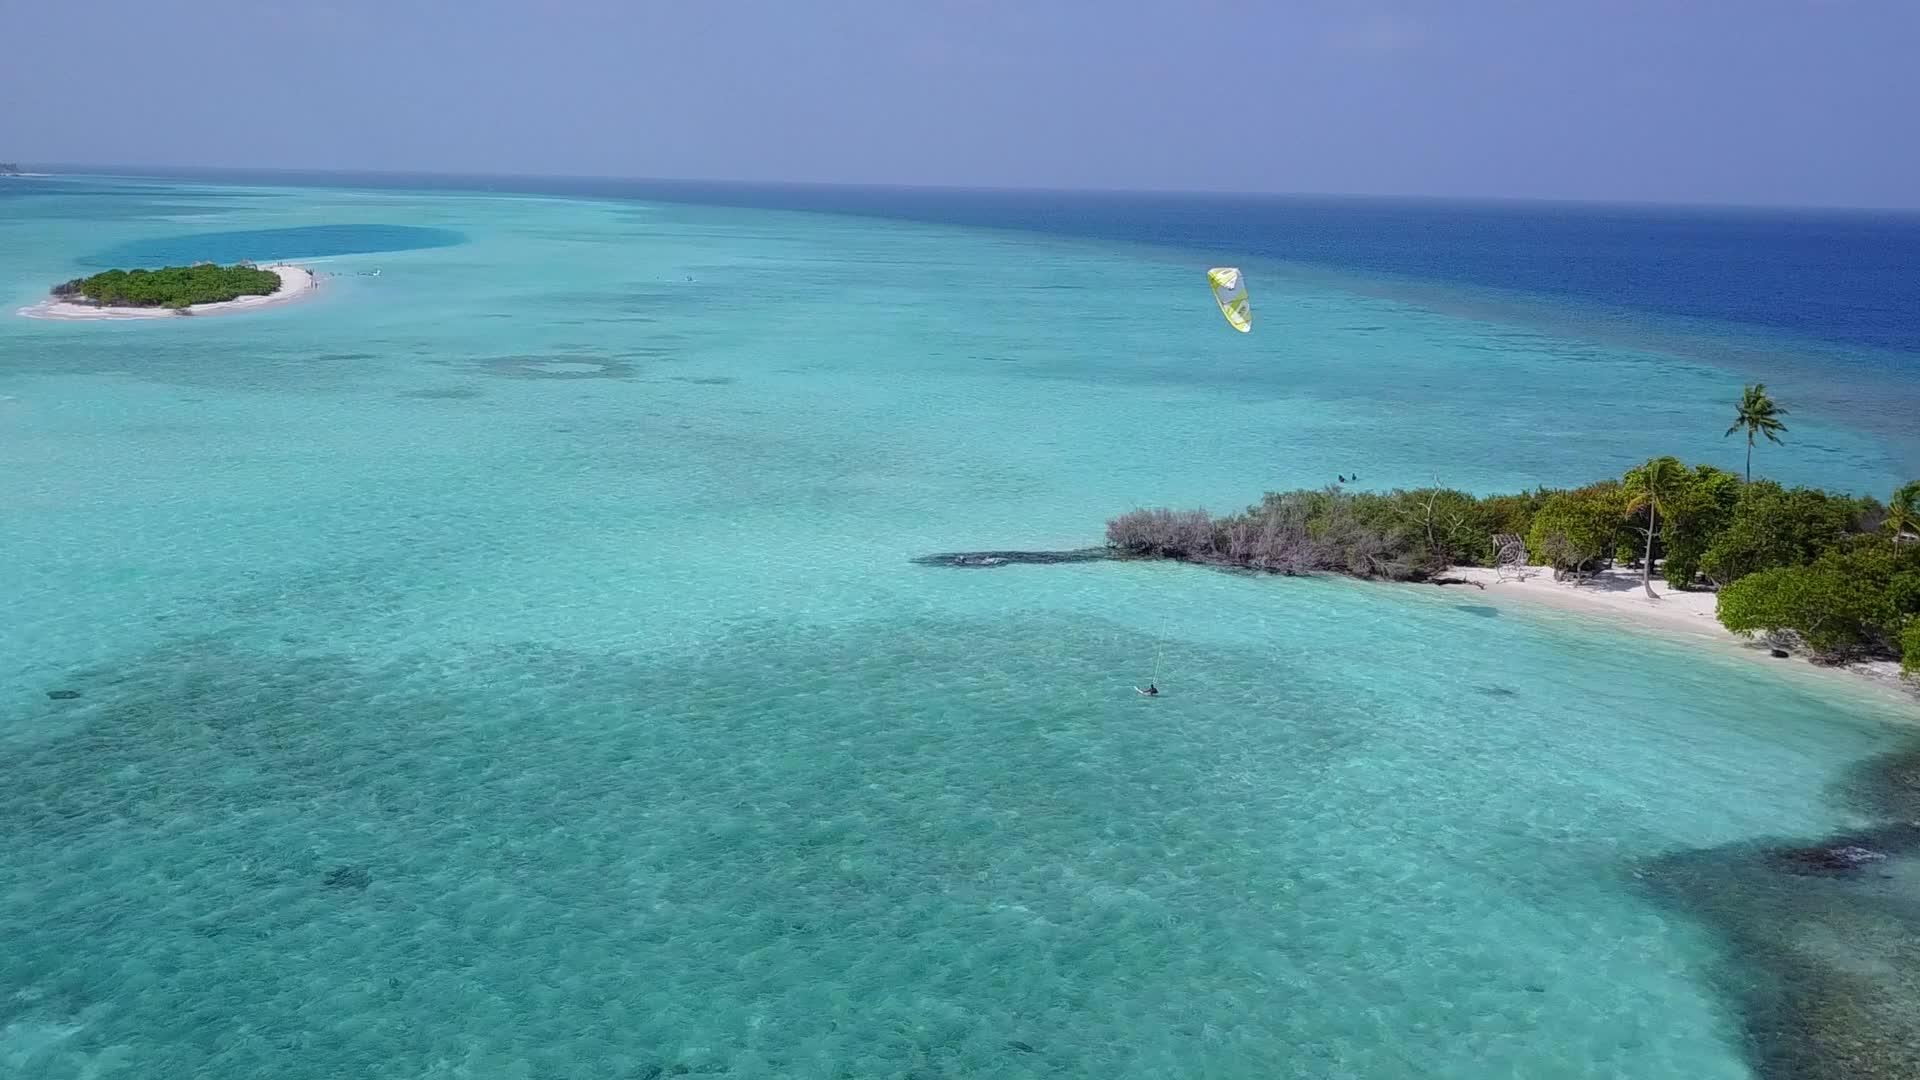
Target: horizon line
135, 171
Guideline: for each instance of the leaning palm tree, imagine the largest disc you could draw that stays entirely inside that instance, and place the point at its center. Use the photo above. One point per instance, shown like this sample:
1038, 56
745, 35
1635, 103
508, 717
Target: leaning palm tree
1653, 487
1760, 416
1903, 513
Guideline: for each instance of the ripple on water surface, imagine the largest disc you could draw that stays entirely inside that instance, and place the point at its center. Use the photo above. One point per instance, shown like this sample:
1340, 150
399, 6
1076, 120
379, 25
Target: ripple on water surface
908, 847
268, 245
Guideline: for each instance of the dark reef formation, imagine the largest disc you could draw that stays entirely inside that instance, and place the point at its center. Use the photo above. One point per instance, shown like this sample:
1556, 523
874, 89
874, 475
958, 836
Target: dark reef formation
1822, 940
348, 878
1888, 786
1842, 858
988, 559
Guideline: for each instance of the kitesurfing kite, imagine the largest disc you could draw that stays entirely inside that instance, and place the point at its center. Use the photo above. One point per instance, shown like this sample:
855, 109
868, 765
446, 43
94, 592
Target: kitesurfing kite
1230, 292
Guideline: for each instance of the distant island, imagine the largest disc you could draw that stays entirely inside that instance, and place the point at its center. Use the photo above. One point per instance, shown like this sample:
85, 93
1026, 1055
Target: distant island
8, 168
171, 286
173, 291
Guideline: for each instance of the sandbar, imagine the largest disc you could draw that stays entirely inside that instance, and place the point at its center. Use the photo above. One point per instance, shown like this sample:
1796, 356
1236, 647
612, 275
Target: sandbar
296, 283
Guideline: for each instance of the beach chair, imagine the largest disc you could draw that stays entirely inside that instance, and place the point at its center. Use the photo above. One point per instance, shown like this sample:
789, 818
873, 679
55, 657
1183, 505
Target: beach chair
1509, 557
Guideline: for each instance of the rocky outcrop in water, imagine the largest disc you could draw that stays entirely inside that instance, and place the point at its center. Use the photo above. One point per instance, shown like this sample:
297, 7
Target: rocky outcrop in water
1822, 940
988, 559
1840, 858
347, 878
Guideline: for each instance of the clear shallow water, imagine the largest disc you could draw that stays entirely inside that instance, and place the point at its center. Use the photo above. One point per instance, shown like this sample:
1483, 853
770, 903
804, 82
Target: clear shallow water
578, 618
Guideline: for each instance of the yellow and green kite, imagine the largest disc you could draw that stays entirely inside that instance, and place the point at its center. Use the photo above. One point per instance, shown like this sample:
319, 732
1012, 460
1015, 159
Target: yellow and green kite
1230, 292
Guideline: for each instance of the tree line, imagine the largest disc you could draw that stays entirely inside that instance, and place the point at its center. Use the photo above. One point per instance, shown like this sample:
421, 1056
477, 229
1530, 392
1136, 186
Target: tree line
172, 286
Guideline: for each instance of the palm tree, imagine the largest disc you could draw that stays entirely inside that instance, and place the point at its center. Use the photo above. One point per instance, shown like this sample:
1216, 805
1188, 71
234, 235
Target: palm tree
1760, 416
1903, 513
1653, 486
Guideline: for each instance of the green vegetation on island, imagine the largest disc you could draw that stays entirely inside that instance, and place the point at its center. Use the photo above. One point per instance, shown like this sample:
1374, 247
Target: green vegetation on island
171, 287
1836, 574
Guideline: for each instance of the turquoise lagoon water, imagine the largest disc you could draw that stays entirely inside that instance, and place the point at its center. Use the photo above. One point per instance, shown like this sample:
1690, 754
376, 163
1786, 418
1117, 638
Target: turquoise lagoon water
512, 665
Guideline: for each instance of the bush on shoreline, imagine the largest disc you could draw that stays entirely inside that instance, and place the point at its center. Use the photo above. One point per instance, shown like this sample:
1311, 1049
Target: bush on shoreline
1400, 536
172, 286
1840, 572
1850, 603
1576, 531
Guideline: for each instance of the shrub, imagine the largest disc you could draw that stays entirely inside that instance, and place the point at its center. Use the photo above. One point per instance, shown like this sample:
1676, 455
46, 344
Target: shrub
1511, 513
1184, 534
1574, 530
1697, 517
1770, 527
1852, 601
1275, 540
1910, 649
1400, 535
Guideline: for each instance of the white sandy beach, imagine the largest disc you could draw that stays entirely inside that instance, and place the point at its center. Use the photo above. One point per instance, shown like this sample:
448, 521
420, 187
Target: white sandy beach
1617, 594
295, 283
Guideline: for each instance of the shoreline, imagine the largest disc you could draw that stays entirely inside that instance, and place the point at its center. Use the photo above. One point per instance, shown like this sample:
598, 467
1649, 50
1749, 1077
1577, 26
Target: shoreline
1613, 596
1616, 595
296, 283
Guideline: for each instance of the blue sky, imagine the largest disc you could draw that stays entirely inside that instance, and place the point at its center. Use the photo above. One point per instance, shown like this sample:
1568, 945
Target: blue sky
1761, 101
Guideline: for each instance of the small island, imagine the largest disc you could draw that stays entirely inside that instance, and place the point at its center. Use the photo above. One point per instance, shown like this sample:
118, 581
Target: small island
1832, 576
202, 288
8, 168
171, 286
